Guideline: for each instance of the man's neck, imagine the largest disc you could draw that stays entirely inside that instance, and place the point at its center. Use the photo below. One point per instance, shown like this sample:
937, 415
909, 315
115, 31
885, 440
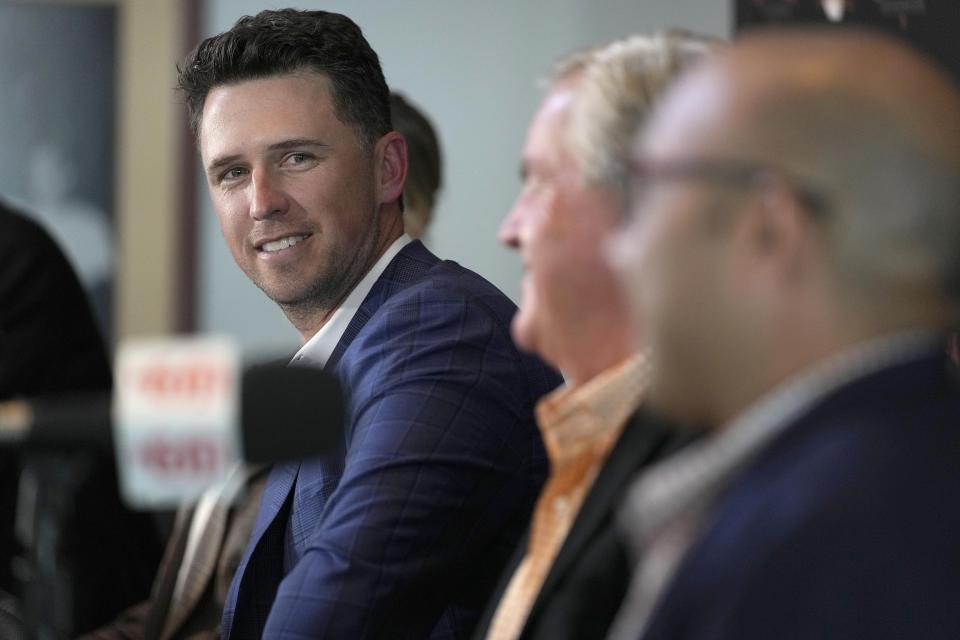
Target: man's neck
588, 357
308, 321
797, 357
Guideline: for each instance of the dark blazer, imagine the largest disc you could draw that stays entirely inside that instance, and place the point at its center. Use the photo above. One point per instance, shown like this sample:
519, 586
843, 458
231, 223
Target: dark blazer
583, 590
196, 611
847, 526
405, 534
49, 343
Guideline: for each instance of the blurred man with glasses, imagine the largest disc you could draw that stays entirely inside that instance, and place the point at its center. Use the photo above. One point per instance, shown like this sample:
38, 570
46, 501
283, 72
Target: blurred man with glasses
794, 259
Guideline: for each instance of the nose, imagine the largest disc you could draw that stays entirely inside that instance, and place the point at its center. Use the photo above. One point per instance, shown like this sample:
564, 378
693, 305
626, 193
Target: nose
509, 233
267, 198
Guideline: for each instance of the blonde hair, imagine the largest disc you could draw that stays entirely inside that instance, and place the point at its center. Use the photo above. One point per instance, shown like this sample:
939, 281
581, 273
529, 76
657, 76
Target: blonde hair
618, 85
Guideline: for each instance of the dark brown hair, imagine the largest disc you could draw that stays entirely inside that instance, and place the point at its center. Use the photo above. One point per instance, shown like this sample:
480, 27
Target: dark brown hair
287, 41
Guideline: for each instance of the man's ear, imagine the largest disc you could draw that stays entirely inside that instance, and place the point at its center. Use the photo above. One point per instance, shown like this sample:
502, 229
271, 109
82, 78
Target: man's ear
783, 227
390, 155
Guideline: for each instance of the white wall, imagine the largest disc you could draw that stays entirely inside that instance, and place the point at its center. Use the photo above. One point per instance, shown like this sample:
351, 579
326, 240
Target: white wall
473, 66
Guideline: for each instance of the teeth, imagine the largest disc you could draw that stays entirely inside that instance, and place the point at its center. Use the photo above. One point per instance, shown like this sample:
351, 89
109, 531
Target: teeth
281, 244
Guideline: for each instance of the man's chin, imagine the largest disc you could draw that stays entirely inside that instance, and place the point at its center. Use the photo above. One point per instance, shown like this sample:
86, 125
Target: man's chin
523, 331
284, 295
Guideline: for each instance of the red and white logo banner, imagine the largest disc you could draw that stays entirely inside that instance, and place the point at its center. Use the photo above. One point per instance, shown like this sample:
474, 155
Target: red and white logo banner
176, 418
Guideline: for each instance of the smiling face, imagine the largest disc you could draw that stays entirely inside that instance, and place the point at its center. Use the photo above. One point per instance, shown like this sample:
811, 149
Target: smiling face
297, 195
572, 313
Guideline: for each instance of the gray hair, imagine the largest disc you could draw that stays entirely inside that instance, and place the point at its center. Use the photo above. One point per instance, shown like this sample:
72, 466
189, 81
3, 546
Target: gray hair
618, 84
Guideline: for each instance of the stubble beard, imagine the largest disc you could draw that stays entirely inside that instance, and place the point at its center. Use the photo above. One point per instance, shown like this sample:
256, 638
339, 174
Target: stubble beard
326, 291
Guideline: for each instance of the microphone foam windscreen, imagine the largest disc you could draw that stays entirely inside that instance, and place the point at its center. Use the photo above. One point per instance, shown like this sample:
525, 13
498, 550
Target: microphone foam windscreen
290, 413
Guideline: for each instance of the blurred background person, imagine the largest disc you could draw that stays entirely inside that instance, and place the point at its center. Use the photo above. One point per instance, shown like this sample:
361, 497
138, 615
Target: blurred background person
570, 575
80, 228
57, 124
425, 165
793, 258
50, 343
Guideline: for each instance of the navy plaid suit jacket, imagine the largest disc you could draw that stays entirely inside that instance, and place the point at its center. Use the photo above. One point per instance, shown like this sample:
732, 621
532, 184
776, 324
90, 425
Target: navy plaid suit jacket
404, 535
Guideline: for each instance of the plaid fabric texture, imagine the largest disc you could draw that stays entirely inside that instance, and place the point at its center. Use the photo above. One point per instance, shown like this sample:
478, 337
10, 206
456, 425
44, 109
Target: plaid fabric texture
406, 533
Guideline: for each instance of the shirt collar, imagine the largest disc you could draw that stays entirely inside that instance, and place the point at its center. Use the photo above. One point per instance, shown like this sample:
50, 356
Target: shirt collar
689, 479
571, 418
316, 351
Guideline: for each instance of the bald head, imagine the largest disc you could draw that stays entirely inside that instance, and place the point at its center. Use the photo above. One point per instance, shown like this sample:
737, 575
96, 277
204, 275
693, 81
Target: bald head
794, 194
858, 117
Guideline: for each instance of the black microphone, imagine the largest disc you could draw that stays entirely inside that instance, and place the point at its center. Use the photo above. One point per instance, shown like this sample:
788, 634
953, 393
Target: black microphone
289, 413
285, 413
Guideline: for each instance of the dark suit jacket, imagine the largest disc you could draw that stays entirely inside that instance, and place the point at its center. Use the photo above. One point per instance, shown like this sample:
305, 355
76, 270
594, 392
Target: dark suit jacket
583, 590
847, 526
405, 535
196, 611
49, 343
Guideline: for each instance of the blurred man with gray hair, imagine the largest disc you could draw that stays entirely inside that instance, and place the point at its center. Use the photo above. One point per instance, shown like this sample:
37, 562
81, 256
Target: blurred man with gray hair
574, 315
794, 260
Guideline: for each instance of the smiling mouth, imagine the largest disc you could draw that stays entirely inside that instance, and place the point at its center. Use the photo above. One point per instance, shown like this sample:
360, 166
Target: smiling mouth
281, 244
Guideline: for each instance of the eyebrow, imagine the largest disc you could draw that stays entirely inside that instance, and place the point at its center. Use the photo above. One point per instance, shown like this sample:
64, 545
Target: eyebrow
283, 145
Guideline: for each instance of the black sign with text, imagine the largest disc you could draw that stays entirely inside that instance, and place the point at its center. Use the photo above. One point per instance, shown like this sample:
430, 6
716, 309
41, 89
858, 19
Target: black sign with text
932, 25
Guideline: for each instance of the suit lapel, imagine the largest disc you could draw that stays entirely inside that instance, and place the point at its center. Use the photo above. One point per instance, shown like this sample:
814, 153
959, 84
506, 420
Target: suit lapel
493, 603
166, 579
199, 571
244, 606
643, 439
279, 483
408, 265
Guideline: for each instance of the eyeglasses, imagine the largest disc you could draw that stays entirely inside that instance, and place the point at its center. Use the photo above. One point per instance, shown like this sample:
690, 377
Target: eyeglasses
728, 172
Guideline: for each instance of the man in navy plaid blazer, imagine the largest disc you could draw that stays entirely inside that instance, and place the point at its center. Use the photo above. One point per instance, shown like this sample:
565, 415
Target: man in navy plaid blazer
404, 532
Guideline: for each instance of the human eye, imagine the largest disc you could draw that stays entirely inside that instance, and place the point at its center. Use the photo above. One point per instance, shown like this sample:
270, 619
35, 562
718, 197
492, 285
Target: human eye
528, 186
531, 176
524, 174
232, 174
538, 183
298, 160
